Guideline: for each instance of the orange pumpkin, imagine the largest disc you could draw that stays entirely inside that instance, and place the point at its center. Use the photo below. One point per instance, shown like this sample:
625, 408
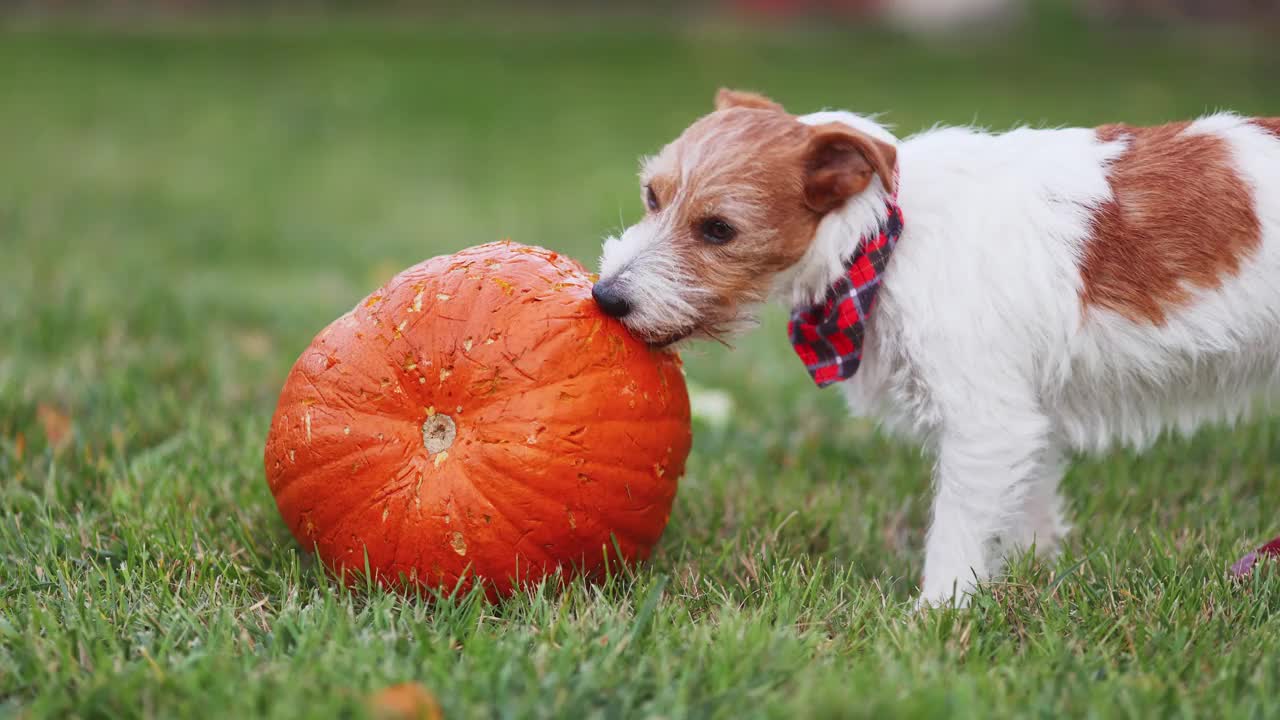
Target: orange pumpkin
478, 418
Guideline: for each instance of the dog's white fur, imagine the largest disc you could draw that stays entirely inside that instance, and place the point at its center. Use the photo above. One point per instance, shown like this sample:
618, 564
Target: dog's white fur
980, 347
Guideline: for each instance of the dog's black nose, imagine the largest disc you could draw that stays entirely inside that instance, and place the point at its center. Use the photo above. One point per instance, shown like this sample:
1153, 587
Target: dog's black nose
610, 300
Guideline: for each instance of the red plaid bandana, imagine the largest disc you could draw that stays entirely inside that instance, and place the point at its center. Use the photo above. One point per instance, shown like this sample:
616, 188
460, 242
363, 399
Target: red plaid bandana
828, 336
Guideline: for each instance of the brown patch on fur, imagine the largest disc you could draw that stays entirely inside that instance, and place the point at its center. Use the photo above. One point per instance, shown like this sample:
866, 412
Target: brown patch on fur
1180, 217
1271, 125
726, 98
840, 163
742, 165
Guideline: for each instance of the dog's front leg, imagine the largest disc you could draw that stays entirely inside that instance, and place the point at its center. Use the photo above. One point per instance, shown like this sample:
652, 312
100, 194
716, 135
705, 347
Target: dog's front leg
1042, 521
983, 472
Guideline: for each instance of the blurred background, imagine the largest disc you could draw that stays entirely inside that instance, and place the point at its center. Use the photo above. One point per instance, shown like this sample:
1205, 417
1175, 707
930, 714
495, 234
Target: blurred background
204, 183
191, 189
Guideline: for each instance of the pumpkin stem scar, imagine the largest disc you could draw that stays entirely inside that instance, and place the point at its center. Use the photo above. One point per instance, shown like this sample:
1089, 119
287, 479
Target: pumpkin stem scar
438, 433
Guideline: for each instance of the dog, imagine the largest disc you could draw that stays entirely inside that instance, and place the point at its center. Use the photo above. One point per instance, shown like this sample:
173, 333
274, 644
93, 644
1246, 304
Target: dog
1004, 299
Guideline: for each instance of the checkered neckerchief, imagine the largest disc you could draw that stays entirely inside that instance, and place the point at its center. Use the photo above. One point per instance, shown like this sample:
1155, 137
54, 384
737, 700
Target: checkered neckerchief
828, 336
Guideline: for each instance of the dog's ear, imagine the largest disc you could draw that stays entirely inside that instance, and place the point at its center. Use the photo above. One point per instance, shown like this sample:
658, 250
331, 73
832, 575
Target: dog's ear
839, 162
726, 98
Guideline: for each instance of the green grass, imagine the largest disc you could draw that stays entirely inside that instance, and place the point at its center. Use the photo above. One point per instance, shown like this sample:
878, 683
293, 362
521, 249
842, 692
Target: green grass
180, 212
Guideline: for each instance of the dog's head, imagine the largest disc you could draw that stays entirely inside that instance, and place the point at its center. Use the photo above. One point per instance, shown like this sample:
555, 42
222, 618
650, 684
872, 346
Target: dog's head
732, 203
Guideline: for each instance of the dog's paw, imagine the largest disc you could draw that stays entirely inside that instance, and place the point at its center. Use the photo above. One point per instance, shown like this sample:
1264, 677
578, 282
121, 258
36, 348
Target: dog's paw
954, 596
1043, 525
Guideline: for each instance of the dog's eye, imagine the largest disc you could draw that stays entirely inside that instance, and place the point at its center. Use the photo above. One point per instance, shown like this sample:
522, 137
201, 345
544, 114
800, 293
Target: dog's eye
717, 231
650, 198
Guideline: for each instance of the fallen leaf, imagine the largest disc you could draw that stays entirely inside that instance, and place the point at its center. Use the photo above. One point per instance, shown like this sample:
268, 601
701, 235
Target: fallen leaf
56, 425
1245, 565
406, 701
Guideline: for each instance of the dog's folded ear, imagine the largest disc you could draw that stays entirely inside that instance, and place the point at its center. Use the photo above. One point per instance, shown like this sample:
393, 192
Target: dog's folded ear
726, 98
839, 163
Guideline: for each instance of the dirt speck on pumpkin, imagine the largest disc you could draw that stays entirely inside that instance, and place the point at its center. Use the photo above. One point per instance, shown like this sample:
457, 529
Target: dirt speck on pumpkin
459, 544
445, 373
307, 421
538, 429
441, 457
442, 297
573, 523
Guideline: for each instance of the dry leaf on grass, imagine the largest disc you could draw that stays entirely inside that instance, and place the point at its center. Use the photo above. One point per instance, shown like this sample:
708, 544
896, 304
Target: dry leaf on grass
56, 425
1245, 565
406, 701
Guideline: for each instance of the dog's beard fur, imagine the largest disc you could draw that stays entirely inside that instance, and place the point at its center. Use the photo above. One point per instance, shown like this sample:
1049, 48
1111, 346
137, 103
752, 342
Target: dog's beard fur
672, 307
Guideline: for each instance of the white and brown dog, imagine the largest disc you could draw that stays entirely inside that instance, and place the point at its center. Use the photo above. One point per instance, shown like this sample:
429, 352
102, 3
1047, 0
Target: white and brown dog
1051, 291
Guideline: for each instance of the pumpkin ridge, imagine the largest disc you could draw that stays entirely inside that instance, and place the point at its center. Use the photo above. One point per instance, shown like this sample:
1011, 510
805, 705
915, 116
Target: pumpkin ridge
489, 463
283, 496
392, 488
661, 413
552, 499
386, 424
571, 420
640, 469
283, 488
505, 513
465, 476
313, 385
642, 473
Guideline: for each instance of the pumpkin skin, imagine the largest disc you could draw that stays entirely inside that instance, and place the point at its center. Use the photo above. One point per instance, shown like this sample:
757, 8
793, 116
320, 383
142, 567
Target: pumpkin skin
479, 419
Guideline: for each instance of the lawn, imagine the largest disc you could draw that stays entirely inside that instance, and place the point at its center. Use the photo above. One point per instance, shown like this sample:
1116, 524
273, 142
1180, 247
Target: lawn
181, 210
